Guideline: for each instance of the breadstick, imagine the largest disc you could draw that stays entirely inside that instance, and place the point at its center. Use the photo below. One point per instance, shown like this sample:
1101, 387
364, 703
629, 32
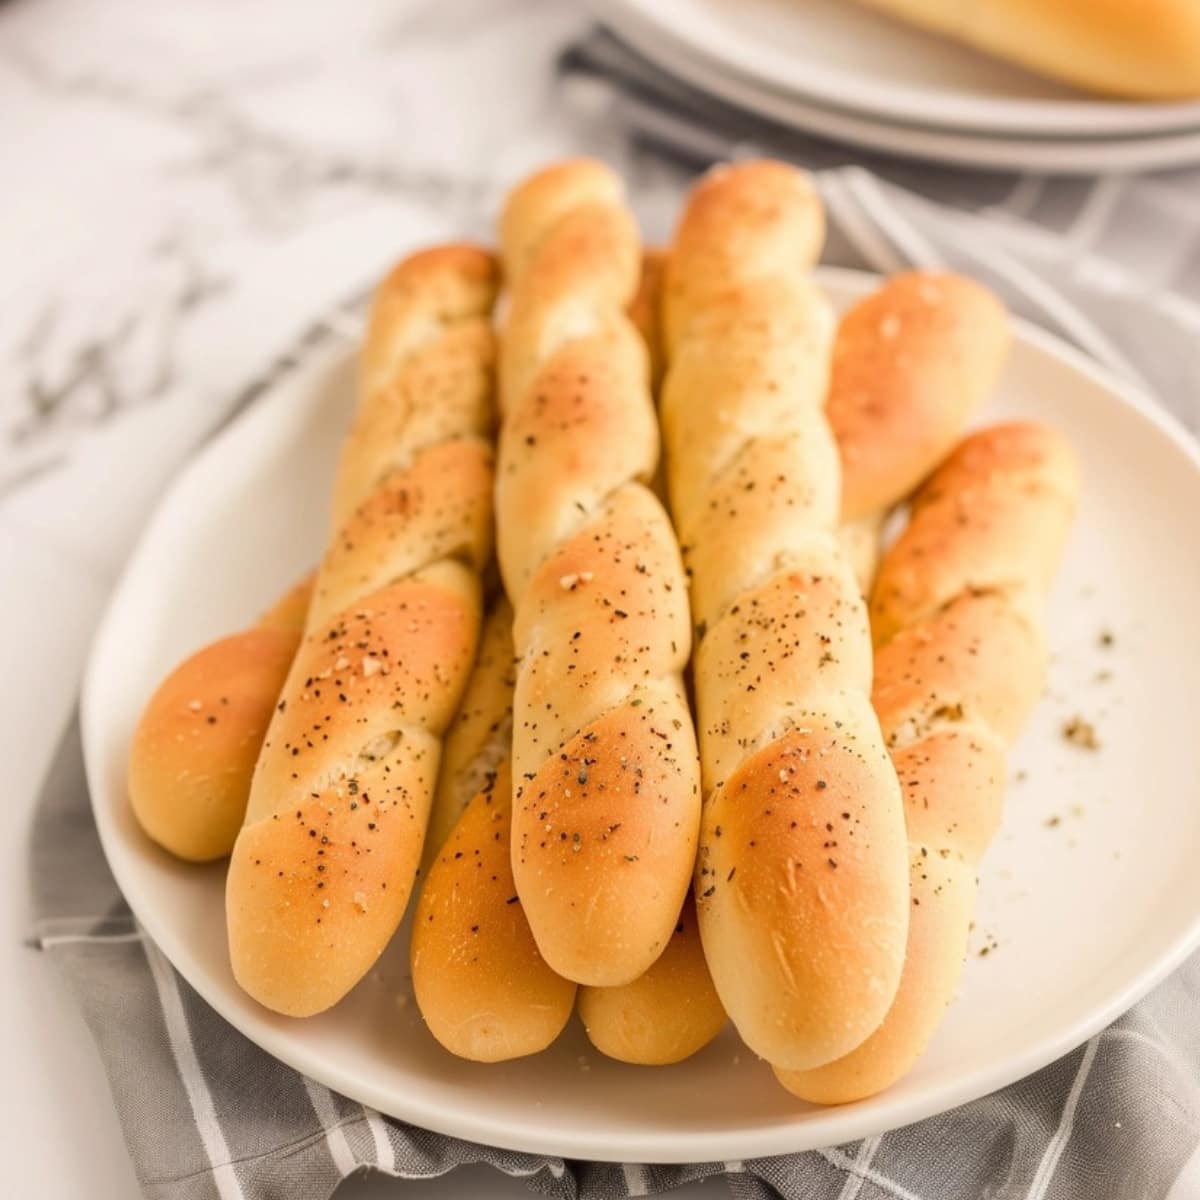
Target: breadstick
957, 609
645, 311
802, 885
195, 745
322, 869
671, 1011
494, 997
1147, 50
665, 1015
480, 738
912, 362
606, 789
428, 358
485, 716
484, 990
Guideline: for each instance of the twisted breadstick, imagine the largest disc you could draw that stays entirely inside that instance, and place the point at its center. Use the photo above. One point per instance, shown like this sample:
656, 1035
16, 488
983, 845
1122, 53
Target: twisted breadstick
480, 739
670, 1011
801, 883
322, 869
957, 609
606, 799
484, 990
196, 743
482, 986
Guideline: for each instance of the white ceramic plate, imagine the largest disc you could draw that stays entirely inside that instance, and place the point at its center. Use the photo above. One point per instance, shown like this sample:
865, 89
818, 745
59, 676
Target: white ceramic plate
1085, 915
837, 53
1066, 155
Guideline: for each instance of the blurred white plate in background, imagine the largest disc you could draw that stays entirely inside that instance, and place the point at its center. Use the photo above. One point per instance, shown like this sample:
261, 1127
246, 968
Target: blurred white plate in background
983, 151
836, 53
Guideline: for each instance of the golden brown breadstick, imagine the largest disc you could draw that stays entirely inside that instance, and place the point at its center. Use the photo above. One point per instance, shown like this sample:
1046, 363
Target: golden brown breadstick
672, 1010
957, 610
645, 311
606, 799
912, 363
802, 884
196, 743
322, 869
665, 1015
484, 990
1148, 50
485, 716
480, 738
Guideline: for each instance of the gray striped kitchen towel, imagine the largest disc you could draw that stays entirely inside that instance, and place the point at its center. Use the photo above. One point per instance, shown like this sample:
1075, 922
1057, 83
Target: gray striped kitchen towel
1111, 265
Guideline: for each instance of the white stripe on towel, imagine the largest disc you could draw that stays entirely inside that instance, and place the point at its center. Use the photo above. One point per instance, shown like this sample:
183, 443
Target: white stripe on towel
1056, 1145
860, 230
635, 1179
862, 1162
180, 1037
911, 242
843, 1163
1096, 210
385, 1155
335, 1135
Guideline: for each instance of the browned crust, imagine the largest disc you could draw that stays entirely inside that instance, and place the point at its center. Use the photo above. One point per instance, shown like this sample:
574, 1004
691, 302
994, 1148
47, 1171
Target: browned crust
196, 743
993, 517
1148, 50
730, 230
439, 507
483, 988
799, 884
952, 689
604, 839
590, 562
664, 1016
323, 867
912, 363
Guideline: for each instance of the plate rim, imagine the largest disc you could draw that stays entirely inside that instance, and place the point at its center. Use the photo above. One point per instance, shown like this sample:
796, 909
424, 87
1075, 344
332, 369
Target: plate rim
989, 152
836, 1125
966, 113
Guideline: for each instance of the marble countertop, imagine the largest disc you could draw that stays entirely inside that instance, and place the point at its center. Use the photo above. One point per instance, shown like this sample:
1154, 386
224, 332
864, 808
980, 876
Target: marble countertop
189, 190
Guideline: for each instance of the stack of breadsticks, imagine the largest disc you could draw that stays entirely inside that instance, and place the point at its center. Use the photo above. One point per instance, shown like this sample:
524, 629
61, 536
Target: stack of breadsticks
700, 760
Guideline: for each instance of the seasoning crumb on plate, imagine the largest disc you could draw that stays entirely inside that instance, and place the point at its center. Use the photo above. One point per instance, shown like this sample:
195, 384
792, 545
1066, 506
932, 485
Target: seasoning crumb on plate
1080, 732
